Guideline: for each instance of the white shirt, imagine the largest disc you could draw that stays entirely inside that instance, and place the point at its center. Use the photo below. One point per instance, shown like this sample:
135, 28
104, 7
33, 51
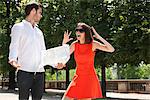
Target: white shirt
26, 45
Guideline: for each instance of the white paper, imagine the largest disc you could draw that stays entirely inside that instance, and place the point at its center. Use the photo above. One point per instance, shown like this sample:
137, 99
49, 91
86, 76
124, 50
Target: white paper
53, 56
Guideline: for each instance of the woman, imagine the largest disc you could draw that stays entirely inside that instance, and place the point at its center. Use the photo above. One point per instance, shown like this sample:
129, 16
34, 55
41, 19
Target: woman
85, 84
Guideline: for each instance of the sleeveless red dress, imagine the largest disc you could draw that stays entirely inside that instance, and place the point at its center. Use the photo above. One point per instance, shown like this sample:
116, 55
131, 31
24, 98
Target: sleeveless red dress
85, 83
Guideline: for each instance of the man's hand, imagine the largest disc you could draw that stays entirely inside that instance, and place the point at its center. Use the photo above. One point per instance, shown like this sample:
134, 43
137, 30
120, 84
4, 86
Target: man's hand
14, 64
60, 66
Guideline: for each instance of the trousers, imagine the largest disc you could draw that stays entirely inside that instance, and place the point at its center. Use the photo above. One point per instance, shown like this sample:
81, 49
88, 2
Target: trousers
30, 82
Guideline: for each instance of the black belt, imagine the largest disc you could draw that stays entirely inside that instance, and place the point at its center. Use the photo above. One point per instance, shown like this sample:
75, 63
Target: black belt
34, 73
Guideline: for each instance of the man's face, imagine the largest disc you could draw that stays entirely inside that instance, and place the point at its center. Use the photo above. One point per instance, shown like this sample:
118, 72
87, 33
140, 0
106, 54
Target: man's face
38, 15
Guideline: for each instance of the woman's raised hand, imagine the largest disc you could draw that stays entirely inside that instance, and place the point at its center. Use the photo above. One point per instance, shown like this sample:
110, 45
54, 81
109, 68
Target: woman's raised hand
66, 37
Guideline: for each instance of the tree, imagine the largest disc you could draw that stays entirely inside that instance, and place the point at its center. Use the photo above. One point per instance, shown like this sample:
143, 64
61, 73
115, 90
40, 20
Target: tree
9, 14
130, 30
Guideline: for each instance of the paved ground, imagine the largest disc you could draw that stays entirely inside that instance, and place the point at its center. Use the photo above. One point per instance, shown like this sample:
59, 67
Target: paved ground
13, 95
52, 94
128, 96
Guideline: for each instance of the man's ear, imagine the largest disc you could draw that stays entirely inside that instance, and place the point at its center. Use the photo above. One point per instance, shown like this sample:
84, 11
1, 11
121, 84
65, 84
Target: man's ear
33, 11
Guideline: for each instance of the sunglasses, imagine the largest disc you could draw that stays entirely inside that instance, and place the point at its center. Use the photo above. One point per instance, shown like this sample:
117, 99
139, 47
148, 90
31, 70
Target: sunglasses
80, 30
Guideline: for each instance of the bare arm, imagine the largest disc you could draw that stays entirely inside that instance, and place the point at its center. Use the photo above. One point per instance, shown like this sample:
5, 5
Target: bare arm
65, 40
104, 46
72, 47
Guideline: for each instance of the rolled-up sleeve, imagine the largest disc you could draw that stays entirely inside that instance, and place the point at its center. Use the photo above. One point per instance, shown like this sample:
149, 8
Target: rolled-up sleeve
14, 45
43, 43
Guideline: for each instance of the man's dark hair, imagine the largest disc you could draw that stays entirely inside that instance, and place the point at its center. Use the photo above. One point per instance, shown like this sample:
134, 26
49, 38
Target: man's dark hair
31, 6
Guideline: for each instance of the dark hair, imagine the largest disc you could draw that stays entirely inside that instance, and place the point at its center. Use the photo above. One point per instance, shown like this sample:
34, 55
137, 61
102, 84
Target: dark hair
30, 6
88, 32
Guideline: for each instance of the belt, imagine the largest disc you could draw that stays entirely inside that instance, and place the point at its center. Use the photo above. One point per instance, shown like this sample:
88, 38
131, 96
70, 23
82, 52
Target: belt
34, 73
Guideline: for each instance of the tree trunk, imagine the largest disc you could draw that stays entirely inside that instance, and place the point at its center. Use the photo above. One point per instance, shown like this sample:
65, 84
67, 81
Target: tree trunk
103, 83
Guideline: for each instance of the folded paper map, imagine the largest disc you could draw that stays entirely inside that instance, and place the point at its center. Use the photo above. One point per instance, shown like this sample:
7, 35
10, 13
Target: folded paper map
53, 56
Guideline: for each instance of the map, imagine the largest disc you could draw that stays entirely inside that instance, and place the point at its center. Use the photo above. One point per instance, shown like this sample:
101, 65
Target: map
53, 56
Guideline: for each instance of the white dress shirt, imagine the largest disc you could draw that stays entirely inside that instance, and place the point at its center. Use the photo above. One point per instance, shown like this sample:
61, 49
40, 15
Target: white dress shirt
26, 45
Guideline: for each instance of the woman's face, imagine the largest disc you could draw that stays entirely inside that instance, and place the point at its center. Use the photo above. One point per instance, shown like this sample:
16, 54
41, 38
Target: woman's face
80, 33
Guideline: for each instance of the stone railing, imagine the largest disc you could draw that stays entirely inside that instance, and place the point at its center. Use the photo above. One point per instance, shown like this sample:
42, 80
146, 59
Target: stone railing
128, 86
134, 86
55, 85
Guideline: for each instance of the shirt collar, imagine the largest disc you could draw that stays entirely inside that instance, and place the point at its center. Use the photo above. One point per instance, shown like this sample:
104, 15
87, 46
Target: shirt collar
24, 21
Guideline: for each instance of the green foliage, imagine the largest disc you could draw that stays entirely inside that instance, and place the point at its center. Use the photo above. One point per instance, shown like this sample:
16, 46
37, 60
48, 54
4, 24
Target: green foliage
129, 71
3, 53
144, 70
98, 72
3, 38
108, 73
130, 27
58, 74
7, 20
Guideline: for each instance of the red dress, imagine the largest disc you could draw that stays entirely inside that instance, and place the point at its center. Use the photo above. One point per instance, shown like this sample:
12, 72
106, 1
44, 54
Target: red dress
85, 83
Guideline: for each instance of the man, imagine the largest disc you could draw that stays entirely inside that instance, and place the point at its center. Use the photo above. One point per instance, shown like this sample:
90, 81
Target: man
27, 41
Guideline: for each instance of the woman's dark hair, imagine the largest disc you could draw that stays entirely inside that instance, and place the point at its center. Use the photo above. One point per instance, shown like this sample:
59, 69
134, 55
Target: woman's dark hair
88, 32
31, 6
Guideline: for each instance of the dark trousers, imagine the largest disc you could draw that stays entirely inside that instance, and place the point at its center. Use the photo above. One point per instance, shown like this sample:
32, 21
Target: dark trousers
30, 81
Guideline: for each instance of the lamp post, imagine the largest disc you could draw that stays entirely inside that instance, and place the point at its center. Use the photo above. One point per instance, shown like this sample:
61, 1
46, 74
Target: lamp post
67, 76
103, 83
8, 14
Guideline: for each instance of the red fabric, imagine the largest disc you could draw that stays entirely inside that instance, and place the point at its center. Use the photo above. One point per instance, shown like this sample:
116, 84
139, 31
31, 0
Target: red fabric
85, 83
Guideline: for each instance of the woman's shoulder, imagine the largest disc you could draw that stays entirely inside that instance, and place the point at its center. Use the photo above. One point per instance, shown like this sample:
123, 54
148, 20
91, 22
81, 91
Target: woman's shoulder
74, 42
72, 46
